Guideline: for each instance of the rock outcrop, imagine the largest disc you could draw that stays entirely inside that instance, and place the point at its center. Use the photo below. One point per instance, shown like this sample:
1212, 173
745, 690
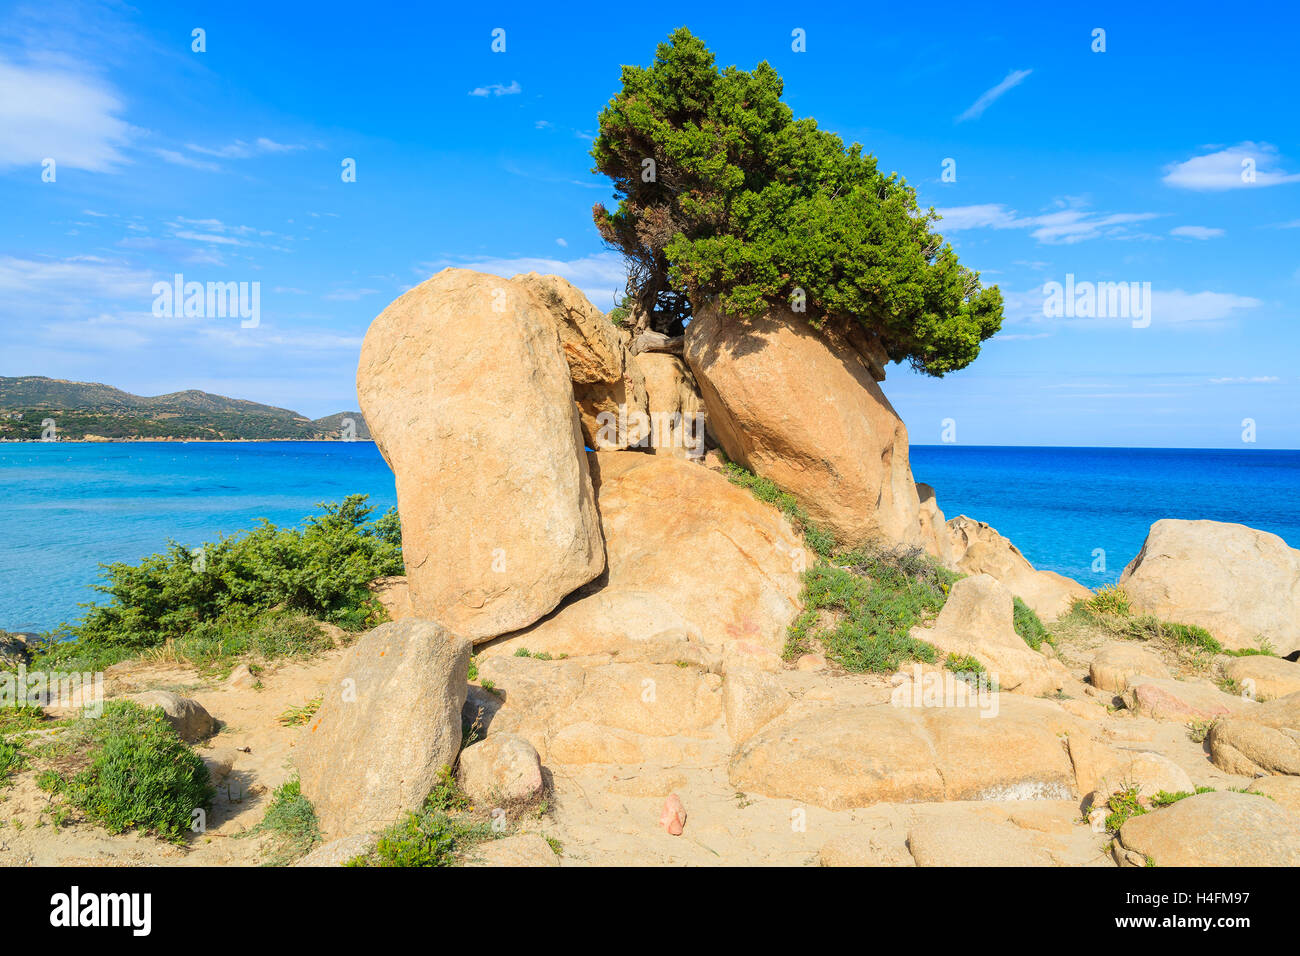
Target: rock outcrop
1240, 584
801, 406
502, 768
468, 395
187, 717
387, 728
1114, 665
1259, 739
676, 410
977, 620
725, 562
979, 549
856, 756
1262, 677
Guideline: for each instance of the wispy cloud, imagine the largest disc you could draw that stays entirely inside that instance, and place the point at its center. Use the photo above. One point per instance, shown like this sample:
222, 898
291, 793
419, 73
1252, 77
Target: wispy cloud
991, 96
177, 158
1196, 232
1177, 307
1069, 224
242, 150
496, 89
60, 114
1246, 380
602, 277
1242, 166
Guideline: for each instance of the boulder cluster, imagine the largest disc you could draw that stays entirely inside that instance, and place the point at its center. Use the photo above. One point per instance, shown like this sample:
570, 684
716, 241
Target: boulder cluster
567, 526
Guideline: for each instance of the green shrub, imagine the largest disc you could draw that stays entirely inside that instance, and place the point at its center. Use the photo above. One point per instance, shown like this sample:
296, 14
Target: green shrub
1111, 600
292, 820
20, 717
861, 604
1164, 798
1123, 805
438, 835
1111, 610
256, 590
140, 774
1029, 626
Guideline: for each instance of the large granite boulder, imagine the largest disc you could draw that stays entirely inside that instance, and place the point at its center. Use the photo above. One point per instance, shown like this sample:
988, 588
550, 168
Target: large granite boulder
977, 619
607, 381
1212, 829
801, 406
1240, 584
465, 387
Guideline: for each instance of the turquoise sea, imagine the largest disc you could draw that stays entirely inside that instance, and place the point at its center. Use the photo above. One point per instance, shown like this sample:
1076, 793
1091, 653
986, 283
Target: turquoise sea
69, 506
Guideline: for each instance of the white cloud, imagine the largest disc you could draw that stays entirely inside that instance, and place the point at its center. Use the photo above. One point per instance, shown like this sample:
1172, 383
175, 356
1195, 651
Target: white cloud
1062, 227
496, 89
990, 96
1227, 169
601, 277
55, 113
70, 280
1246, 380
180, 159
242, 150
1196, 232
1177, 307
561, 242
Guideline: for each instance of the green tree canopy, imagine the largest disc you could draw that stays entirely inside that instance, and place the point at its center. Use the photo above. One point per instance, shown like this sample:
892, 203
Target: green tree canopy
726, 199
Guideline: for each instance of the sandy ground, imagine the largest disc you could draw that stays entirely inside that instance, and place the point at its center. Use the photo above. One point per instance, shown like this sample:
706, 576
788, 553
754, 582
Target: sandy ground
602, 814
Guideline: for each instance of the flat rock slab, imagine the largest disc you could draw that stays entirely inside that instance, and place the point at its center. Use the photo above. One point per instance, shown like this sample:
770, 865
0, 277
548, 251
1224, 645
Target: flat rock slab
523, 849
855, 756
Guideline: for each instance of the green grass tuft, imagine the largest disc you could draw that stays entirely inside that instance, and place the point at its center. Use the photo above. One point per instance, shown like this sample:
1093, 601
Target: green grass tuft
292, 820
1029, 626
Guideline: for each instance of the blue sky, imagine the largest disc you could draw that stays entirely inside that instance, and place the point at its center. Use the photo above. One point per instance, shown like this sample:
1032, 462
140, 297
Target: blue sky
225, 165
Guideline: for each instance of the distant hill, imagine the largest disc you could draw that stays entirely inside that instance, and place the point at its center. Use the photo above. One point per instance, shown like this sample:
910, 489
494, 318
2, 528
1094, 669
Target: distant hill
89, 409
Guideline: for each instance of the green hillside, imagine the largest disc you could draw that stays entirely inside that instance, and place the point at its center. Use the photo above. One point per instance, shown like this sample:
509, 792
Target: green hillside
81, 409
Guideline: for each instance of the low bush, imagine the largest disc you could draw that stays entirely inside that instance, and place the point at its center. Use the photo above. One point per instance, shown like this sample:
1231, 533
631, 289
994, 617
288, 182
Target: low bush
859, 605
440, 834
260, 591
292, 820
137, 774
862, 606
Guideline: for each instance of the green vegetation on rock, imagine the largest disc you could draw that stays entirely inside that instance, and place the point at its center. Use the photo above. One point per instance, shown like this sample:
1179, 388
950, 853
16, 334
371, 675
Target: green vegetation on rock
859, 605
291, 820
443, 830
1029, 626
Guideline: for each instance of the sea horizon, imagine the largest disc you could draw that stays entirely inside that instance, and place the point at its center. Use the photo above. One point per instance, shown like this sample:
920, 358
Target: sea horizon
101, 502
